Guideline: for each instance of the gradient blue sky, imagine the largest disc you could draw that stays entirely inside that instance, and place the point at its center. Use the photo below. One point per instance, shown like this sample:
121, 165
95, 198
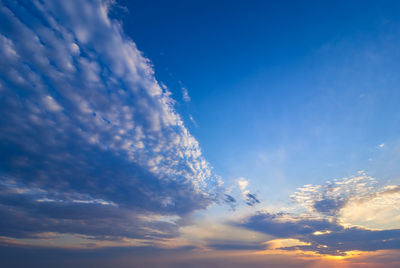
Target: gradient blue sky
199, 133
282, 92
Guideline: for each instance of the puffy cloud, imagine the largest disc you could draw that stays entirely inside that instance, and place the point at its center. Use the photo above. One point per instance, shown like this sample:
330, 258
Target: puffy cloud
243, 183
340, 216
90, 141
356, 201
332, 196
379, 210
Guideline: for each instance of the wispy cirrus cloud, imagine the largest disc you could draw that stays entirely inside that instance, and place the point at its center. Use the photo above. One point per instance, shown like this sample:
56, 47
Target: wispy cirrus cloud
91, 143
185, 93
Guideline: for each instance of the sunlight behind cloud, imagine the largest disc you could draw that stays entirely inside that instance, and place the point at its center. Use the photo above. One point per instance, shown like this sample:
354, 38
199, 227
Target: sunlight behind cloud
380, 210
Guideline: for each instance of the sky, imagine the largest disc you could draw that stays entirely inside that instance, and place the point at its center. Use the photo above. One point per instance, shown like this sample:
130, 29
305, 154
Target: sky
199, 133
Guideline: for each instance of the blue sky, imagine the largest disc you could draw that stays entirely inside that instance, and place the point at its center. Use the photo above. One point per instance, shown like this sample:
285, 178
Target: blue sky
203, 133
294, 94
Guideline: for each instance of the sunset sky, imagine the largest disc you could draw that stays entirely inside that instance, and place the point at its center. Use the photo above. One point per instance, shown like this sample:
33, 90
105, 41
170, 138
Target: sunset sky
199, 133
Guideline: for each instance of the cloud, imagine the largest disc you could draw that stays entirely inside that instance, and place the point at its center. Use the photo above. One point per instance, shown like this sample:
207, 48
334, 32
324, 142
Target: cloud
243, 183
321, 235
230, 200
354, 202
338, 243
185, 93
329, 198
193, 121
379, 210
286, 226
338, 217
91, 143
250, 199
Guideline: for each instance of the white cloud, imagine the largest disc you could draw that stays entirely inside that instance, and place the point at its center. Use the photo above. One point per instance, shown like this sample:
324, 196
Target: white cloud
51, 104
243, 183
330, 197
353, 202
379, 210
113, 81
8, 50
185, 93
249, 198
82, 105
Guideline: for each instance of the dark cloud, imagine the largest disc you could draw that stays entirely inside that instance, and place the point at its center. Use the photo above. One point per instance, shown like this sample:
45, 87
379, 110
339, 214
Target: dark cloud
230, 201
332, 238
251, 199
328, 206
90, 143
280, 226
95, 221
337, 243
